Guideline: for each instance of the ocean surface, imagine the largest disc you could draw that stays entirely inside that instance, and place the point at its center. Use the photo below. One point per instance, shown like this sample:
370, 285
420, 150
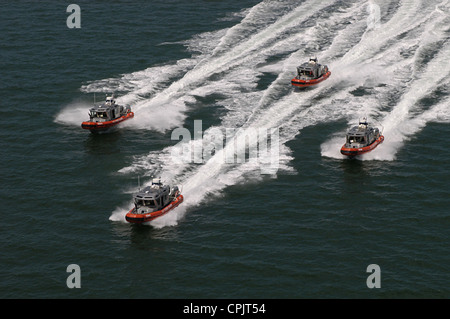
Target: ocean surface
307, 227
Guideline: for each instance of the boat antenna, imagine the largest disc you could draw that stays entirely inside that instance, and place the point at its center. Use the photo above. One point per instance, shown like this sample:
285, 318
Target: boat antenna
139, 184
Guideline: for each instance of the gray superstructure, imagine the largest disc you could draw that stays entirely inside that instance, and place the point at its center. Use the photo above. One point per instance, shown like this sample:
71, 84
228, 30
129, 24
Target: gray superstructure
361, 135
154, 197
107, 111
311, 70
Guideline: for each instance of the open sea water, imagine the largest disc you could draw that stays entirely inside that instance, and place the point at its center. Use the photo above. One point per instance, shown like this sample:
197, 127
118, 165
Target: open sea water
309, 229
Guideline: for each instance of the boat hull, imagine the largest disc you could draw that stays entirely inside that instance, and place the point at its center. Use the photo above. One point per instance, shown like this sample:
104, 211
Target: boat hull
351, 152
305, 83
133, 218
103, 126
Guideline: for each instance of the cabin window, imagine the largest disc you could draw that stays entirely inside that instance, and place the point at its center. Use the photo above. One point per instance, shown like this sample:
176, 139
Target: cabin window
139, 202
356, 139
102, 114
304, 72
149, 203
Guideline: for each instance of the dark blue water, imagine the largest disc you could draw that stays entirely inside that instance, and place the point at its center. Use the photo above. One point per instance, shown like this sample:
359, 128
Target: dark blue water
307, 230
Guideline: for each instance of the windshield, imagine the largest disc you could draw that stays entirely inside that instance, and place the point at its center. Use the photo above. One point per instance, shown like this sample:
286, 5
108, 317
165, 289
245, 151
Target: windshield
305, 72
356, 139
148, 203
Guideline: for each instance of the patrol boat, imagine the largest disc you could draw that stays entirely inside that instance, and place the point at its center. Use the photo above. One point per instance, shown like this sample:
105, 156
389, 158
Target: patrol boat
154, 201
310, 73
107, 115
361, 139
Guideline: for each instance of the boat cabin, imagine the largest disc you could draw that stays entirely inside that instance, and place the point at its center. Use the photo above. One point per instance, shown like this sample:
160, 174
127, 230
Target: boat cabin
106, 112
153, 197
361, 135
306, 71
311, 70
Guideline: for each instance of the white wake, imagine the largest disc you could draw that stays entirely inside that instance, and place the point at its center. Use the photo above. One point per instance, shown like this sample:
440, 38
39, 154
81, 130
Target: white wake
388, 61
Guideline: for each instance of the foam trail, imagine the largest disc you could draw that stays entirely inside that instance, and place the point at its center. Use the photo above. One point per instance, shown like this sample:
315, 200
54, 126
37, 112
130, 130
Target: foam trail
73, 114
398, 124
439, 113
214, 175
362, 52
372, 40
167, 108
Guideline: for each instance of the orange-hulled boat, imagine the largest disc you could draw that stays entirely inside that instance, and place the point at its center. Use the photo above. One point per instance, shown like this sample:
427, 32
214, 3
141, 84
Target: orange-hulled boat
361, 139
154, 201
310, 73
107, 115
